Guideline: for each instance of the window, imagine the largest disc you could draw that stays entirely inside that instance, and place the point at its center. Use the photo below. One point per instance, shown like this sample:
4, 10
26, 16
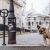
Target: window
29, 27
32, 23
40, 23
34, 18
29, 23
46, 22
44, 19
36, 22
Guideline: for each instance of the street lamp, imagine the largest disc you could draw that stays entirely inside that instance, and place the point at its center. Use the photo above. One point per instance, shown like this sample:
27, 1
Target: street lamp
11, 24
4, 13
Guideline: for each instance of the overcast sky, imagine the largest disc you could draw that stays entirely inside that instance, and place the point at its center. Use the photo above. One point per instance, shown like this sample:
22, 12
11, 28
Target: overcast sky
39, 5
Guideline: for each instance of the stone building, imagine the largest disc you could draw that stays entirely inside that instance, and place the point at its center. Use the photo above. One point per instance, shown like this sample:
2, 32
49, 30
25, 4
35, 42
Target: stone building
33, 21
34, 18
19, 6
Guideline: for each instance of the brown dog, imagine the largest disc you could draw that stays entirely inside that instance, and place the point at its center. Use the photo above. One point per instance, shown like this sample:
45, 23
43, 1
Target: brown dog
45, 32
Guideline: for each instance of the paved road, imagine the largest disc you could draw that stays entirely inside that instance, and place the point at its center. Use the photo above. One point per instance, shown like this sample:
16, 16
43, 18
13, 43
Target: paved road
27, 39
30, 39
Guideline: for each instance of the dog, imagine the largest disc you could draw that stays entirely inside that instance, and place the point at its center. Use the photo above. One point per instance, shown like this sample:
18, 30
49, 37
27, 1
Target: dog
45, 32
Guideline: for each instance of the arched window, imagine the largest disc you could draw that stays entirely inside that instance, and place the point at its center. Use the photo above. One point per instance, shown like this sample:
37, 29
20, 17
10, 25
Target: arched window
32, 23
46, 22
44, 19
36, 22
39, 22
34, 18
29, 23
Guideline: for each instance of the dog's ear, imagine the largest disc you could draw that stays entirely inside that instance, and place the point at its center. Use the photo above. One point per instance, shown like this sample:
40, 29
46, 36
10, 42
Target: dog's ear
38, 26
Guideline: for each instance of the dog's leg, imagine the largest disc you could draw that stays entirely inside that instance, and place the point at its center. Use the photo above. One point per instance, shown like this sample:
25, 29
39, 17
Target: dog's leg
45, 42
49, 42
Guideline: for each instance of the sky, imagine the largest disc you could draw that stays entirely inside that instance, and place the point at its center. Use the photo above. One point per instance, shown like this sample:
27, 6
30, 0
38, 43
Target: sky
39, 5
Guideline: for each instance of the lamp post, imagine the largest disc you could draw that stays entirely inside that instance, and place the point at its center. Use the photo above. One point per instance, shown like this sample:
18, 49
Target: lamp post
4, 13
11, 25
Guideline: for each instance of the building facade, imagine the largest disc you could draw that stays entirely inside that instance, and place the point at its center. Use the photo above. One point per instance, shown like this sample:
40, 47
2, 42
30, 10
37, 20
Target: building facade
32, 22
19, 6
